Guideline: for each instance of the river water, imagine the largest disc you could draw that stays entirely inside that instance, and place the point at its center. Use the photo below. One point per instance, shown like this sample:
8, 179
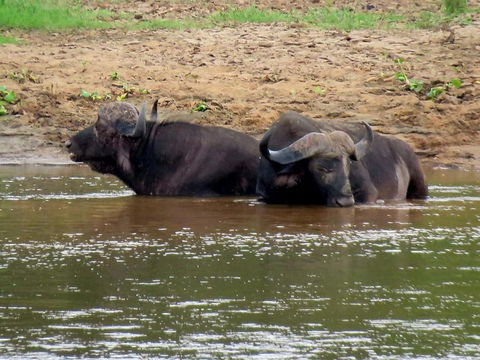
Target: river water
88, 270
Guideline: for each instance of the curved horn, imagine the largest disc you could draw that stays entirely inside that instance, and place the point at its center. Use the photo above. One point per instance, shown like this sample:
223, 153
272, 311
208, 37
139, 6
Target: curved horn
264, 145
141, 126
305, 147
363, 146
153, 114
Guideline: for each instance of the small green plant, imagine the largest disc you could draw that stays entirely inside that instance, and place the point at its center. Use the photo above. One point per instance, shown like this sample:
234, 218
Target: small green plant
114, 75
6, 97
318, 90
455, 83
23, 76
435, 91
410, 84
95, 95
126, 90
201, 107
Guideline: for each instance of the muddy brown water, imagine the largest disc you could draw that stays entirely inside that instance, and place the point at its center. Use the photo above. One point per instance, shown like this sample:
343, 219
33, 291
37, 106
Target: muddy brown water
89, 270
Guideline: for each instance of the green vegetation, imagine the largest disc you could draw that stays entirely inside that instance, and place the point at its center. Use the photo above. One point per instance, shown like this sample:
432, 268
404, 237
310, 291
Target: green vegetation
48, 15
164, 24
119, 91
61, 15
7, 40
344, 19
454, 6
200, 107
437, 90
410, 84
251, 14
23, 76
417, 86
95, 95
6, 97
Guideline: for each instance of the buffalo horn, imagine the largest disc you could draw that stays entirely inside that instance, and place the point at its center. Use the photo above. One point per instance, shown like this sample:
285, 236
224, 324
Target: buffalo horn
141, 126
304, 148
363, 146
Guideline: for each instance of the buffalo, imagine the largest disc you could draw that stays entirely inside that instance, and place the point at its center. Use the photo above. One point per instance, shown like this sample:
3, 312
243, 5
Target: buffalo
167, 158
335, 164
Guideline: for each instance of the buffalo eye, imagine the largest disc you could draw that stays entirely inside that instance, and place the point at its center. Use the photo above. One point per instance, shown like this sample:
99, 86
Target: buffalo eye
324, 169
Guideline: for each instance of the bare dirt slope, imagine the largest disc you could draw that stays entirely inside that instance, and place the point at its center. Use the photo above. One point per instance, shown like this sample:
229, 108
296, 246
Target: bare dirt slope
247, 75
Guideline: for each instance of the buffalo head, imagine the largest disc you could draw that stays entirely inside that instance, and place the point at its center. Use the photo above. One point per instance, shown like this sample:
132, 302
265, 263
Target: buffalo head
313, 169
105, 146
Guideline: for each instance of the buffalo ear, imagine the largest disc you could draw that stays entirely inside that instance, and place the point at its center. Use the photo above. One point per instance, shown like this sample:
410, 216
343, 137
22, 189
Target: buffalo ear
363, 146
153, 114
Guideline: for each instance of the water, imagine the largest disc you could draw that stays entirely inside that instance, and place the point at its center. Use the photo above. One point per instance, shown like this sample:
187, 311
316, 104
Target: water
89, 270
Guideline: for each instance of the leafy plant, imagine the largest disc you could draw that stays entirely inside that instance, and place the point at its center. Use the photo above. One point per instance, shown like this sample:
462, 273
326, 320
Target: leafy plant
435, 91
410, 84
455, 83
23, 76
126, 90
201, 107
6, 97
95, 95
114, 75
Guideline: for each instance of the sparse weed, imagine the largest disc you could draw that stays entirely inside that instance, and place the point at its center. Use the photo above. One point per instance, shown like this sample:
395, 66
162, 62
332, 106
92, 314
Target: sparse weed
418, 86
410, 84
435, 91
119, 91
125, 90
454, 6
318, 90
95, 95
250, 14
6, 97
23, 76
200, 107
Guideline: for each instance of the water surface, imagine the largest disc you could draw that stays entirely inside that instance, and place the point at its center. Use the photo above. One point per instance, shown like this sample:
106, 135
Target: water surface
89, 270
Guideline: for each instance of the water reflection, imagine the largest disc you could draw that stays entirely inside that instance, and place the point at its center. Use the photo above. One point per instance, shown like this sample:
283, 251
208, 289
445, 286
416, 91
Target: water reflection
89, 270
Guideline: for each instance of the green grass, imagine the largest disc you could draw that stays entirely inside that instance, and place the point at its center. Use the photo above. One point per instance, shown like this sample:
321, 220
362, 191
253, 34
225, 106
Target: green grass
47, 15
7, 40
454, 6
251, 14
344, 19
58, 15
163, 24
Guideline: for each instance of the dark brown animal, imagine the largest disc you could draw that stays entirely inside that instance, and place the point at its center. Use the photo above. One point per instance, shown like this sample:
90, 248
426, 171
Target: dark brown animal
335, 164
167, 158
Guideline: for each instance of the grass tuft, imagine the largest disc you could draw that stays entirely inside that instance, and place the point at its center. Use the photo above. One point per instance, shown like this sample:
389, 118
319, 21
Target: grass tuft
163, 24
7, 40
251, 14
344, 19
452, 7
47, 15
